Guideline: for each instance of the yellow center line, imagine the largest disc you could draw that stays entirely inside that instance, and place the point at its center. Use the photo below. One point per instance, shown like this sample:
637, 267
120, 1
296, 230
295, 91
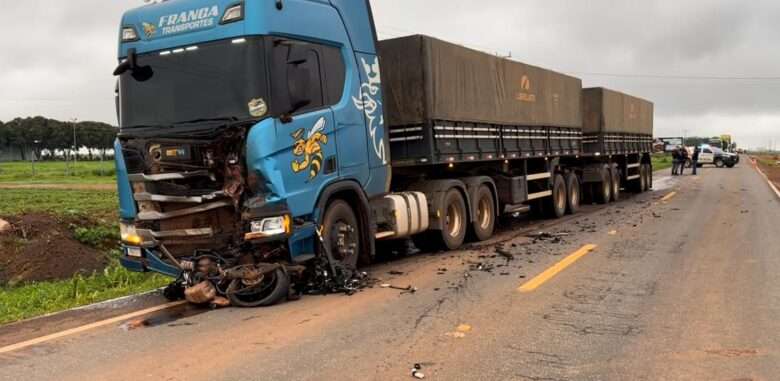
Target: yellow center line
669, 196
548, 274
84, 328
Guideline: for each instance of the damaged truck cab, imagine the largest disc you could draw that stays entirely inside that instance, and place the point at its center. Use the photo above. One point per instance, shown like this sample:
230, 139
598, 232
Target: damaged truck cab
251, 136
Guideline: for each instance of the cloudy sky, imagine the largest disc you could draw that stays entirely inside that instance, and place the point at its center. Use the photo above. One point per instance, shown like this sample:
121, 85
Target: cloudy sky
711, 67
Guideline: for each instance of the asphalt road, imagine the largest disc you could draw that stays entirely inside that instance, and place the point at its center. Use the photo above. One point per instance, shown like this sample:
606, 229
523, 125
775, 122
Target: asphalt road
682, 289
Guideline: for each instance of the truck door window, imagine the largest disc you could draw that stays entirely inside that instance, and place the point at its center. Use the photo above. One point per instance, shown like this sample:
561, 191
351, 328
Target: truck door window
334, 71
280, 57
324, 62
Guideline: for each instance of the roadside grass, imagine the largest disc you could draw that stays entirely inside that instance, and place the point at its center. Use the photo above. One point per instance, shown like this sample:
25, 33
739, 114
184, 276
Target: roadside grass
93, 219
58, 172
61, 202
768, 160
41, 298
661, 161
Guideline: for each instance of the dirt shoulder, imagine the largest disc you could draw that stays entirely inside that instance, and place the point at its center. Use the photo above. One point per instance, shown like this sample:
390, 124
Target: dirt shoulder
40, 247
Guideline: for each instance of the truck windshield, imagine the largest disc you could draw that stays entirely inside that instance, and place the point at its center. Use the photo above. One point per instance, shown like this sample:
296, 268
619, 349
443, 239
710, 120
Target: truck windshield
222, 80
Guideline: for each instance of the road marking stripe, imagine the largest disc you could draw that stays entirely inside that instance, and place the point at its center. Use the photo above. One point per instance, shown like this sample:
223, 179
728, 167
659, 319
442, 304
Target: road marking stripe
669, 196
548, 274
84, 328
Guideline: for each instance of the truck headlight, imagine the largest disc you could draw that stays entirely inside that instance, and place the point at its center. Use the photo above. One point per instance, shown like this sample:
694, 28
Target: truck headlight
269, 227
129, 34
129, 235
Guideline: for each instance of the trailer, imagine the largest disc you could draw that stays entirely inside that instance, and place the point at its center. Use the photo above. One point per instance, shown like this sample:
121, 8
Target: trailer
259, 154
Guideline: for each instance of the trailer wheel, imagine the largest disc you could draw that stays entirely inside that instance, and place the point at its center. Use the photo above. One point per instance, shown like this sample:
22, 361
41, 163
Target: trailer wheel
615, 183
555, 205
485, 221
341, 232
602, 191
574, 193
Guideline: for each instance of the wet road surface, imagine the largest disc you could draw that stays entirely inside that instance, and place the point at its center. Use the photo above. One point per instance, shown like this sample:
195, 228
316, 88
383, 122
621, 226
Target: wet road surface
682, 289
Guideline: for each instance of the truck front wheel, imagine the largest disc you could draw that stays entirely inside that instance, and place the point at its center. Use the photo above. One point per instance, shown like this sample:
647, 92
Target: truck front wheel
341, 232
719, 163
485, 222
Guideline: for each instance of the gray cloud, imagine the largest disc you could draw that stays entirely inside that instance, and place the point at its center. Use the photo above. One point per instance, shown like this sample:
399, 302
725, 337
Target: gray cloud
58, 56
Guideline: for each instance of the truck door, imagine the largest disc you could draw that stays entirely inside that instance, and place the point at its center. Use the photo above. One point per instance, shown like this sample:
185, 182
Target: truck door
307, 142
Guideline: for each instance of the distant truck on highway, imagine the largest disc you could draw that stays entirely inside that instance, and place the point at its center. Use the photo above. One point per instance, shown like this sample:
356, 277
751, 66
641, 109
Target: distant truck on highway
269, 145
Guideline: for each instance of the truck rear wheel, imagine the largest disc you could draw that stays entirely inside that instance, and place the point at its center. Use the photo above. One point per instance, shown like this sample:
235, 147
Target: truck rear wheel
641, 183
719, 163
341, 232
615, 183
485, 222
647, 176
574, 193
454, 225
555, 205
602, 191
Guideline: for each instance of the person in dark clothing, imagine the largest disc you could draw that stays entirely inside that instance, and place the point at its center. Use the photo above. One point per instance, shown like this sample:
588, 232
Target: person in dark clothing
695, 159
675, 161
683, 159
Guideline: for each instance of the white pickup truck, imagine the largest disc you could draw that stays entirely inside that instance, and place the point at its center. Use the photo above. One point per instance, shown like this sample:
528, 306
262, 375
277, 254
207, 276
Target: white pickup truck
714, 156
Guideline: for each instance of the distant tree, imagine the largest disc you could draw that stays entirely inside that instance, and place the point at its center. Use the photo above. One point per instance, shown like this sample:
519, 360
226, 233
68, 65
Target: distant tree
39, 133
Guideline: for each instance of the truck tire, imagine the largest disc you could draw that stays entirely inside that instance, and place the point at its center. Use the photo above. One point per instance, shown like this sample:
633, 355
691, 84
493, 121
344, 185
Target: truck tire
453, 229
719, 163
341, 232
573, 192
276, 287
615, 184
649, 176
731, 164
555, 205
602, 190
485, 219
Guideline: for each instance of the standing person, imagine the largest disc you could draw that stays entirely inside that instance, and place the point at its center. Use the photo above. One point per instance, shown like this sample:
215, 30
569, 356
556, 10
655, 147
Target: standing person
695, 159
675, 160
683, 159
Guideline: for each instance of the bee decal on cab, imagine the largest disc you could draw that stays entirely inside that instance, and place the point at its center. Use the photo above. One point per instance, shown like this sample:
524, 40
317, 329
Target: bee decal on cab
310, 149
149, 29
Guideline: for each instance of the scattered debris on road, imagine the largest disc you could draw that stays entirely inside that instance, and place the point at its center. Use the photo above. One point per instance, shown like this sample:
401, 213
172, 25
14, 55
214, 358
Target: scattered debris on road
405, 290
500, 250
417, 372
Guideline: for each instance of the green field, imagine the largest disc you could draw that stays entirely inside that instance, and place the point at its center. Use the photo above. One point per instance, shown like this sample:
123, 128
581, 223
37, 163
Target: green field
661, 161
95, 214
58, 172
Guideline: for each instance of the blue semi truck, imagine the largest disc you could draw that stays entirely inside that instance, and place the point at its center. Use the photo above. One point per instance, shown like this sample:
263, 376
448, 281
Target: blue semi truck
267, 146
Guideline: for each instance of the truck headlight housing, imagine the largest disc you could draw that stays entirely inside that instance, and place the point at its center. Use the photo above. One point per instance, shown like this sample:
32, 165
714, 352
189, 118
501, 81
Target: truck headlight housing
269, 227
129, 34
129, 235
233, 13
